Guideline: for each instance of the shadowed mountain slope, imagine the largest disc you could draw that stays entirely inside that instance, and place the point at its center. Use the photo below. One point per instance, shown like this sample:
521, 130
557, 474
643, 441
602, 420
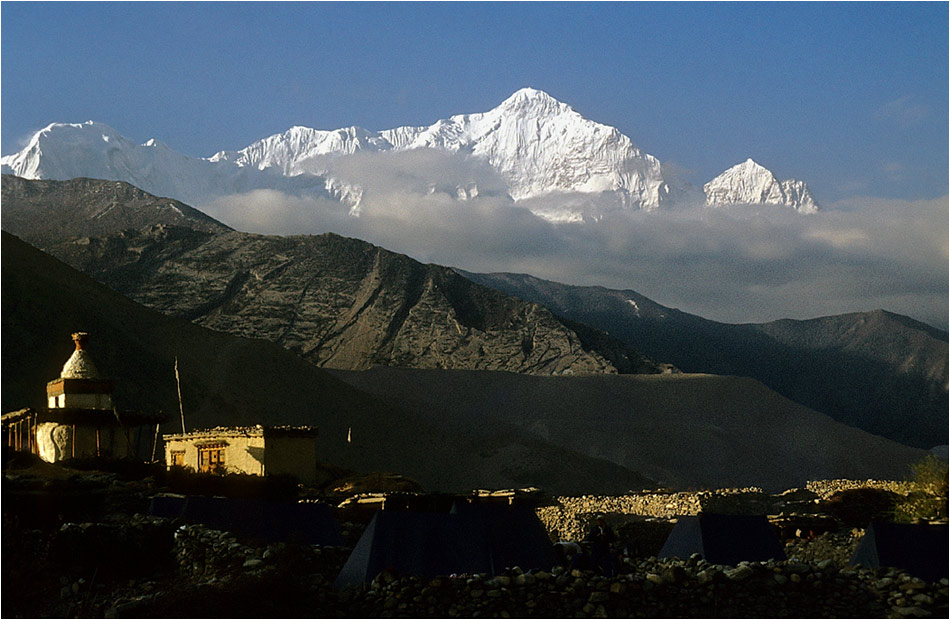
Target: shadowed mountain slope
878, 371
337, 302
681, 429
227, 380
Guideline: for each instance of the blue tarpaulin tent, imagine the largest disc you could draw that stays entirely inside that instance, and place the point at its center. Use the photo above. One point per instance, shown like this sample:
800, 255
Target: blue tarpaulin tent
470, 539
919, 548
724, 539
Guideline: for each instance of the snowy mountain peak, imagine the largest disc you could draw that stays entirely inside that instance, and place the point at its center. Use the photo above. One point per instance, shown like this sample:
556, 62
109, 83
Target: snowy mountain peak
533, 101
541, 146
752, 183
64, 151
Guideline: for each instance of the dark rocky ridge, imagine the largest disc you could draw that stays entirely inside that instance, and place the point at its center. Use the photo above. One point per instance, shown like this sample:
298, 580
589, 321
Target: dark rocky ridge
881, 372
54, 211
334, 301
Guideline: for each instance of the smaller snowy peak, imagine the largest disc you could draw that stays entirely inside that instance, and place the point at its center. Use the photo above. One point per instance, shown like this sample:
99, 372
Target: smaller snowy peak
752, 183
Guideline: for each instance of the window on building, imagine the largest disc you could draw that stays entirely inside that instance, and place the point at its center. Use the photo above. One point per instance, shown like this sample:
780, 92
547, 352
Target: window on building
178, 458
210, 458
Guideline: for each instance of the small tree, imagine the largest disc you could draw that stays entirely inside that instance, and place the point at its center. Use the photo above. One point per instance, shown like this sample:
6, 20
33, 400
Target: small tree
928, 497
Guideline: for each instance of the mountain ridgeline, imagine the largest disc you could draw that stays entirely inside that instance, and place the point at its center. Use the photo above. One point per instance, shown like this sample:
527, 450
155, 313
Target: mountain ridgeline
334, 301
881, 372
536, 147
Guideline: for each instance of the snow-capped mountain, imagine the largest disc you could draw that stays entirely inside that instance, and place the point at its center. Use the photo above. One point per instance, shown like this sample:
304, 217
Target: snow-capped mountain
546, 156
536, 143
751, 183
64, 151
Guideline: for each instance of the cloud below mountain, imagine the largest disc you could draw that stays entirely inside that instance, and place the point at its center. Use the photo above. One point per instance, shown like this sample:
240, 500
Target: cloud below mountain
735, 264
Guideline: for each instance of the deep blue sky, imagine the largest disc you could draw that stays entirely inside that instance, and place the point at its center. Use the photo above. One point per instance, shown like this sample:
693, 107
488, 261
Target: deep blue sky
850, 97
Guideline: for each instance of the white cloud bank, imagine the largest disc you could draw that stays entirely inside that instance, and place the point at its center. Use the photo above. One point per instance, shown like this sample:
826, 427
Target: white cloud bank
739, 264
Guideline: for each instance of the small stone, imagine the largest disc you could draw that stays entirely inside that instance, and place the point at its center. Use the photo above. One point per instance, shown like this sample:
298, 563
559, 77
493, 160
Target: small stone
795, 578
598, 597
740, 573
674, 574
253, 562
910, 612
780, 579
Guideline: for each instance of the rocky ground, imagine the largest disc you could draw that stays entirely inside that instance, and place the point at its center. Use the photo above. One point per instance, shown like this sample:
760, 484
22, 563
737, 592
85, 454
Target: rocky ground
98, 555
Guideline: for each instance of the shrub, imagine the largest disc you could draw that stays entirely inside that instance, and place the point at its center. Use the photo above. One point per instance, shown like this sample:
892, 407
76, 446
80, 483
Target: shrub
928, 499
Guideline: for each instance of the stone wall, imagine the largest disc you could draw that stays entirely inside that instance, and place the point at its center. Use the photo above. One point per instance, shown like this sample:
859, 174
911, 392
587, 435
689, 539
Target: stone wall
570, 518
826, 488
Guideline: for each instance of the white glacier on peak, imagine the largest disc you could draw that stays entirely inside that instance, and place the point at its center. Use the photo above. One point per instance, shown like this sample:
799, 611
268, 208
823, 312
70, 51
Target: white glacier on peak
536, 143
540, 153
751, 183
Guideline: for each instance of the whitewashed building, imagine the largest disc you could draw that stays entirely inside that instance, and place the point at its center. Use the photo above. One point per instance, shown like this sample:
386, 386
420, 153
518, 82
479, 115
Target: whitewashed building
258, 450
80, 420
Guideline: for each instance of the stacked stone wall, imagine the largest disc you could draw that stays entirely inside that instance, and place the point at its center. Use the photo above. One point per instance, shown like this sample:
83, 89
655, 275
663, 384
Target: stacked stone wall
826, 488
570, 518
